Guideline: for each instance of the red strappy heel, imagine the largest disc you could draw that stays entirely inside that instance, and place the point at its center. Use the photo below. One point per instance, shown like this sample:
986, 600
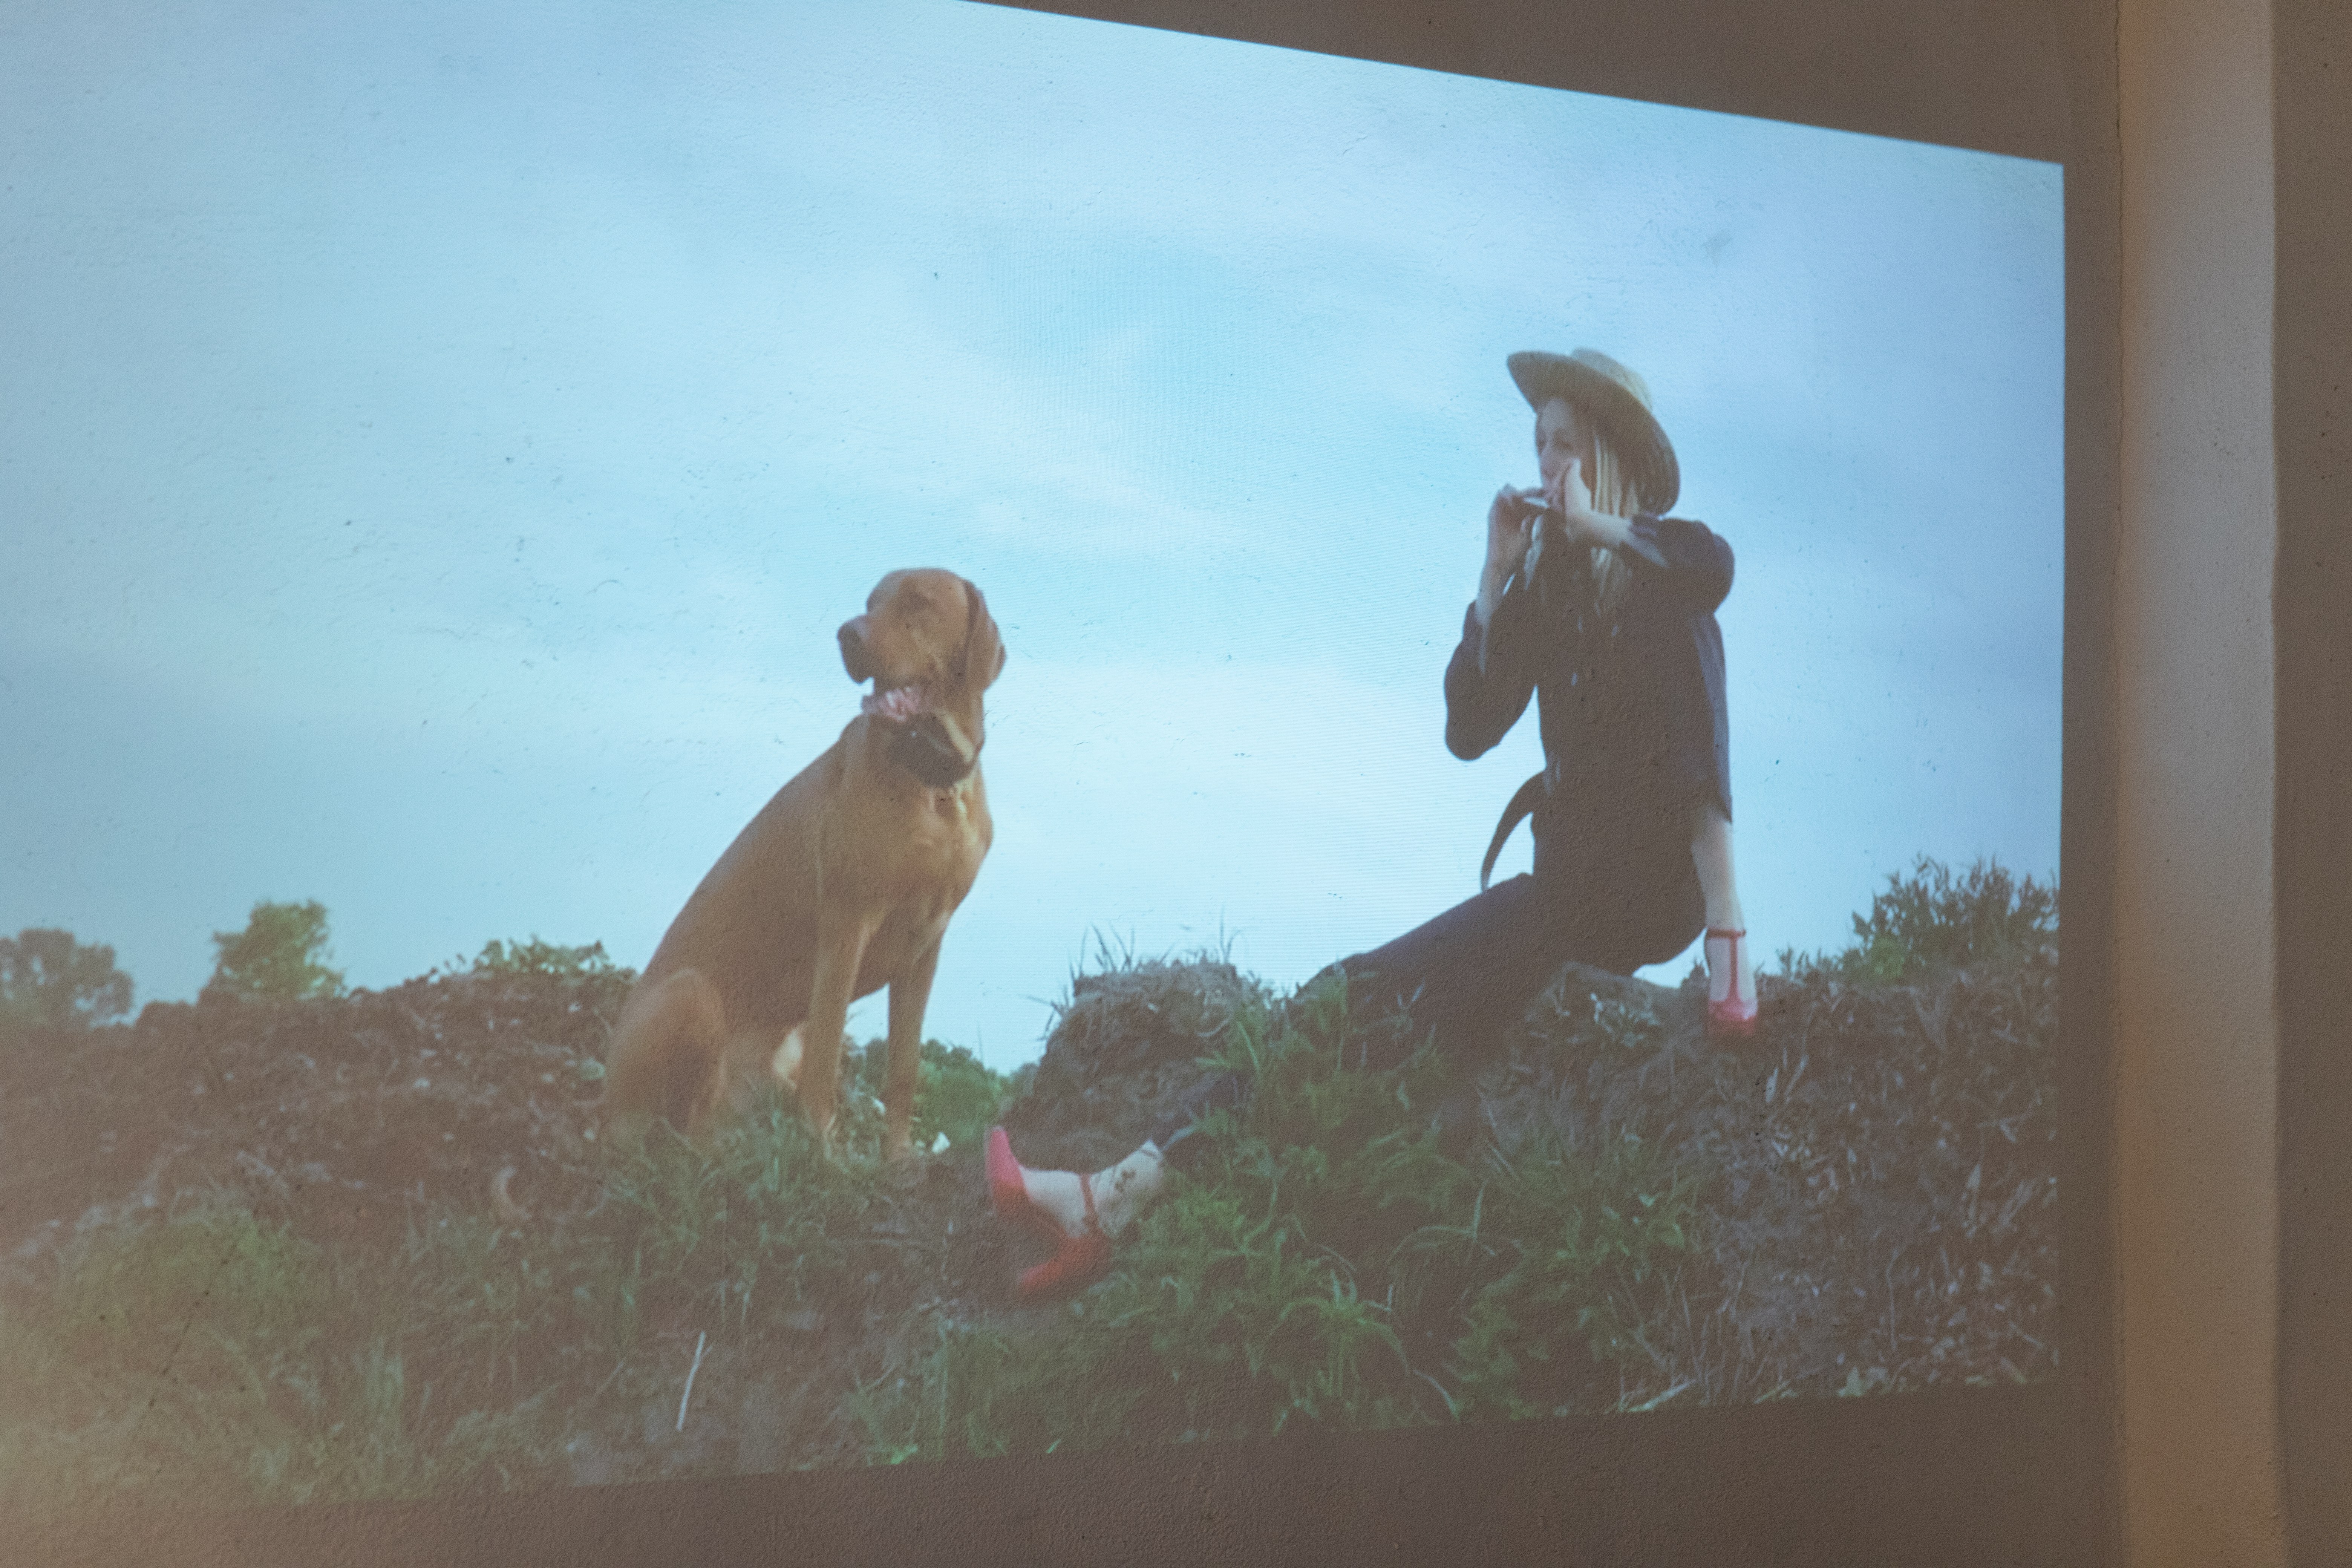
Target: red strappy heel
1078, 1261
1734, 1017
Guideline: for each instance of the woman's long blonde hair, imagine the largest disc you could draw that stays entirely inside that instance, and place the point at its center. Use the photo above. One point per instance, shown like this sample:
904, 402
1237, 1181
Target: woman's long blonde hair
1612, 492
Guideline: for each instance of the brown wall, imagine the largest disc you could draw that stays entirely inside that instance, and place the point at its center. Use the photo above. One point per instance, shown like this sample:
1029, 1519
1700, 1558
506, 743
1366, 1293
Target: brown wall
2232, 1191
2196, 1078
2312, 421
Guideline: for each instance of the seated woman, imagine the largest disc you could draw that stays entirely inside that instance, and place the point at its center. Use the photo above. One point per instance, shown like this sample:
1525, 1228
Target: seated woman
1602, 609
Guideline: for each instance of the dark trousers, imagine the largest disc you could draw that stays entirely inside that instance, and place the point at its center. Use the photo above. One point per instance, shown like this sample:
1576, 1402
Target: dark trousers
1467, 975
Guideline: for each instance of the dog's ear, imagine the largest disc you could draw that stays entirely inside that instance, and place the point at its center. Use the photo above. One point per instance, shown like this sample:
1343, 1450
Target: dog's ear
982, 660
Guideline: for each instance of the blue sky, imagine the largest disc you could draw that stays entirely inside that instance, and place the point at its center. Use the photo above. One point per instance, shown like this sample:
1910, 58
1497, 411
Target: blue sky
441, 441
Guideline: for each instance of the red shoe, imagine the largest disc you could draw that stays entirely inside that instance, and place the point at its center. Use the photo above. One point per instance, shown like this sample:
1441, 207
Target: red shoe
1008, 1195
1734, 1016
1078, 1261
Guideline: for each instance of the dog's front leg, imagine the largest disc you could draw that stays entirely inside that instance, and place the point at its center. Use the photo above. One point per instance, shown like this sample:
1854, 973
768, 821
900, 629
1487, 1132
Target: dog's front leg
911, 994
842, 937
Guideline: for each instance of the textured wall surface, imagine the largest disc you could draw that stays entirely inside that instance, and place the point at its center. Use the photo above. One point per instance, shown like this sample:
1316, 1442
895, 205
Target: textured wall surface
2313, 42
2196, 1077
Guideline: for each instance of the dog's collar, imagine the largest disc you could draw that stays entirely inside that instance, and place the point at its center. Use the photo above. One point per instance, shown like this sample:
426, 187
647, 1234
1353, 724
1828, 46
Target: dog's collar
924, 750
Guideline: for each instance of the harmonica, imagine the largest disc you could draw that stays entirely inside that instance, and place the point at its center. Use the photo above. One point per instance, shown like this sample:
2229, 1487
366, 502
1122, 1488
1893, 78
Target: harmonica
1542, 524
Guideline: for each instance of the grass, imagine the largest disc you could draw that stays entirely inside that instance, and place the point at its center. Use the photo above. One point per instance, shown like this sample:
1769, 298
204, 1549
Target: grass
210, 1351
1328, 1262
1334, 1257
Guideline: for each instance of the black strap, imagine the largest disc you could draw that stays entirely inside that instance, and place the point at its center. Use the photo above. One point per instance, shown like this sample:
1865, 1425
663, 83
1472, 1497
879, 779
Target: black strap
1523, 805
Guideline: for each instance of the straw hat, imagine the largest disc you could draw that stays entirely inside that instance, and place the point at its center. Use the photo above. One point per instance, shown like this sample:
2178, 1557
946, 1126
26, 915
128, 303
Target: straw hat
1617, 400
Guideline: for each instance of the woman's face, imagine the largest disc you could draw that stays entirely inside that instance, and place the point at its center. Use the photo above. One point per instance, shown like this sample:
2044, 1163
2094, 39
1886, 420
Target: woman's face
1561, 433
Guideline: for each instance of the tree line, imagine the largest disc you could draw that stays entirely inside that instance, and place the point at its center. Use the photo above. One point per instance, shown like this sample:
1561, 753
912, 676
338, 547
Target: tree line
50, 979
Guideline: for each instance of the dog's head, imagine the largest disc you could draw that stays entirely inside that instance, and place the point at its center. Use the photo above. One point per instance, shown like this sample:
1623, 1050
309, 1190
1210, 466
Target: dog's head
931, 648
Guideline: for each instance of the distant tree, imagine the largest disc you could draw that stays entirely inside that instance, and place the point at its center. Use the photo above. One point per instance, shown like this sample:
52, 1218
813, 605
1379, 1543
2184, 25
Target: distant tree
277, 957
48, 977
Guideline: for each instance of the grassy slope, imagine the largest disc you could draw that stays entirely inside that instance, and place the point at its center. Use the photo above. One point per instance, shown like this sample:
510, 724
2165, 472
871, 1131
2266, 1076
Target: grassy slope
296, 1285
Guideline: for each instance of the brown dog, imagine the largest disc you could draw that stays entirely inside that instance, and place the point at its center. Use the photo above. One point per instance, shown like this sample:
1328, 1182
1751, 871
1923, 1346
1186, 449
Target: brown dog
842, 884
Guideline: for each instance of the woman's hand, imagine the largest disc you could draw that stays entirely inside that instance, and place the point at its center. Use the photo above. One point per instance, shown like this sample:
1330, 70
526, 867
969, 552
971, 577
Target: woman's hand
1510, 524
1571, 502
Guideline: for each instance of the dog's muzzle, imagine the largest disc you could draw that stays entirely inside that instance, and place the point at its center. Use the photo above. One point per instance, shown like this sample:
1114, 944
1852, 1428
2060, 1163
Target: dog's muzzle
854, 655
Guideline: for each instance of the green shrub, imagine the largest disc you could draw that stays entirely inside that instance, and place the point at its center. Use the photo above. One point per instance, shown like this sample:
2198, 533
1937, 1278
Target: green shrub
1934, 922
536, 957
956, 1093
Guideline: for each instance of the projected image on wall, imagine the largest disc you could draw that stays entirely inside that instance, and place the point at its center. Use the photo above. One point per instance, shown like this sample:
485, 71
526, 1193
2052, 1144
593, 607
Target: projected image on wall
746, 738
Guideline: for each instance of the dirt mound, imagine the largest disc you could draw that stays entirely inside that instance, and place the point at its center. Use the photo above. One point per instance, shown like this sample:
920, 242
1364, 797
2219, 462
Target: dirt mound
346, 1117
1875, 1171
1125, 1046
1881, 1167
1879, 1163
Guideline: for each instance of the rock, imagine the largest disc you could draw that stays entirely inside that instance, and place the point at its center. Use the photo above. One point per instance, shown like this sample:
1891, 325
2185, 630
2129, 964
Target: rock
1127, 1045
